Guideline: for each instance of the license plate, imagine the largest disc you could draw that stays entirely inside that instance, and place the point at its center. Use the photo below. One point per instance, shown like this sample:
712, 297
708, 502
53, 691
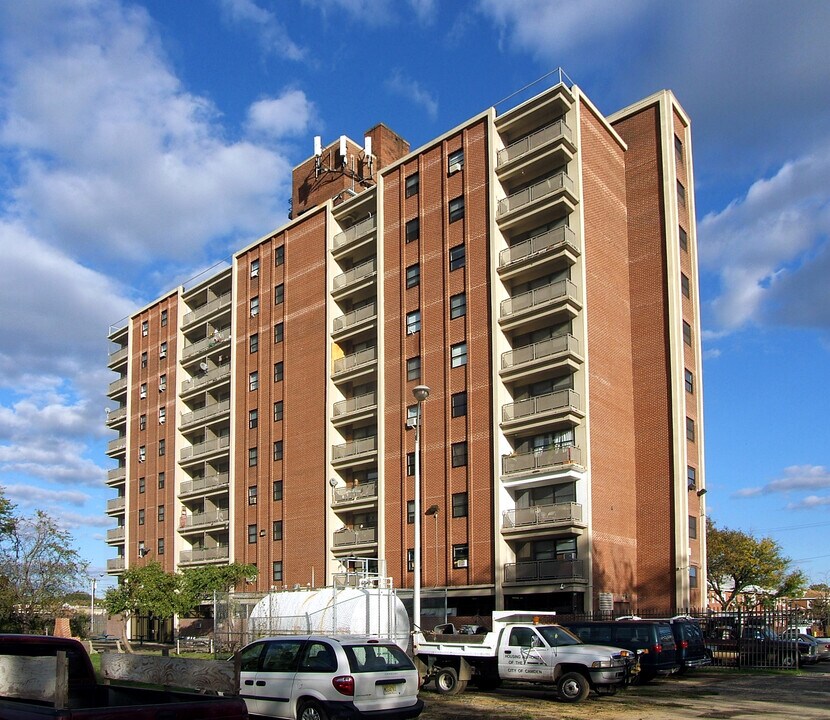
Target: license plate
391, 689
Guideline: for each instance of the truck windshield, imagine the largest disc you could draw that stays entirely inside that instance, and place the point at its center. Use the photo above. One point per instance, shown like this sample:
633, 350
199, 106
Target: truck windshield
557, 636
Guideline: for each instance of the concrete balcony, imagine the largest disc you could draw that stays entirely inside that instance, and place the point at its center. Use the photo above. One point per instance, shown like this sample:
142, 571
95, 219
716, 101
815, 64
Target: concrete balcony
354, 236
119, 331
205, 485
116, 476
117, 446
537, 112
117, 387
545, 571
208, 309
212, 377
548, 147
552, 249
352, 323
348, 538
365, 492
203, 449
354, 409
354, 365
118, 357
204, 414
201, 521
357, 279
200, 347
548, 460
115, 565
558, 299
562, 407
117, 417
354, 453
551, 198
204, 555
115, 506
116, 535
528, 362
541, 519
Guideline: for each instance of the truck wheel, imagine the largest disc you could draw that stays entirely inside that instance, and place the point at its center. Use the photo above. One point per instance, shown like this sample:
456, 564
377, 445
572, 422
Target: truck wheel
573, 687
447, 682
311, 710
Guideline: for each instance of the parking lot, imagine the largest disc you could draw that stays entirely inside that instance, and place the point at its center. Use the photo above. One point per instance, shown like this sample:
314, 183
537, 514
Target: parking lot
711, 693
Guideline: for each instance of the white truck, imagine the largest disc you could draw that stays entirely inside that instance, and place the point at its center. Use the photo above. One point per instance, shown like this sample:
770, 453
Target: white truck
523, 648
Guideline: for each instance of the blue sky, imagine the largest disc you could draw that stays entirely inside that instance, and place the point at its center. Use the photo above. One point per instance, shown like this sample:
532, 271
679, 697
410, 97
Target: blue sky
141, 142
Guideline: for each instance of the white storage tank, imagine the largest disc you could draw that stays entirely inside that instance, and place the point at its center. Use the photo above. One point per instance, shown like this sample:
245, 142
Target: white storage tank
332, 611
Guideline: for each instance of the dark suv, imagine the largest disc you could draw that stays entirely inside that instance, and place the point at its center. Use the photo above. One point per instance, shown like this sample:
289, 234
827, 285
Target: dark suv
652, 640
691, 645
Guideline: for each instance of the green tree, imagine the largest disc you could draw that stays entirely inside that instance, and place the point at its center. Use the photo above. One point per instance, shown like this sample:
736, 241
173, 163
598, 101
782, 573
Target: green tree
199, 583
38, 568
738, 561
821, 605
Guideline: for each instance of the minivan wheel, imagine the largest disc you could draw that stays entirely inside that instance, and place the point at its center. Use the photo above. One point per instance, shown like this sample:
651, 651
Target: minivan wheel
447, 682
573, 687
311, 710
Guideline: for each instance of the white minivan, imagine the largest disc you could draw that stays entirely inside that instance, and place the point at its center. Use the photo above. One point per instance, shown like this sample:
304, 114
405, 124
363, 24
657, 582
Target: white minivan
327, 677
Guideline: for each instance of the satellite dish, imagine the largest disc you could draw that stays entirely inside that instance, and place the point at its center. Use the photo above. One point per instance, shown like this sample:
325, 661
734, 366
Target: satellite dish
333, 482
203, 366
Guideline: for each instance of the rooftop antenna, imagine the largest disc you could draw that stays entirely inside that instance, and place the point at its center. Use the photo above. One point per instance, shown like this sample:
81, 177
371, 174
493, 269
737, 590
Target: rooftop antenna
367, 151
318, 154
343, 150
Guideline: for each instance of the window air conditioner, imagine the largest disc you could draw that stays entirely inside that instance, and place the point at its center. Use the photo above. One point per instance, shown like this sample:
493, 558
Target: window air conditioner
569, 556
455, 167
461, 564
255, 272
254, 312
162, 353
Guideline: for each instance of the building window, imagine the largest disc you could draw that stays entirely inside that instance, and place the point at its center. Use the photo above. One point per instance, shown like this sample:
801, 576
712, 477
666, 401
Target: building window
690, 429
162, 383
460, 556
456, 209
161, 513
413, 229
413, 368
684, 285
141, 517
278, 450
410, 512
413, 275
254, 306
278, 332
142, 422
253, 380
410, 560
692, 527
459, 505
164, 318
253, 456
681, 194
253, 343
279, 294
254, 268
689, 380
458, 257
279, 255
163, 350
459, 454
252, 495
145, 328
693, 577
678, 149
160, 547
141, 485
162, 447
412, 185
410, 464
142, 391
278, 411
251, 534
455, 161
411, 415
278, 372
691, 477
276, 574
413, 322
276, 533
458, 355
162, 415
142, 453
161, 481
458, 306
253, 418
277, 489
687, 333
684, 240
144, 359
458, 403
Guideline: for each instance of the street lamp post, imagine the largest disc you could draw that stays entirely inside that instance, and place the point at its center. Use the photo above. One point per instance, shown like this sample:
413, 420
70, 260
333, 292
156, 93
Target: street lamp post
94, 582
421, 393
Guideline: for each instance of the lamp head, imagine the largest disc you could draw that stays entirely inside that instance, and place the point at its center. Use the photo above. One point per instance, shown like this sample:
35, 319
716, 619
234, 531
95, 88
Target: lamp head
421, 392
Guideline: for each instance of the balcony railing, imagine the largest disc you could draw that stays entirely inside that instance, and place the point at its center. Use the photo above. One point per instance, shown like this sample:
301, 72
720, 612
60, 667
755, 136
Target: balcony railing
355, 448
116, 416
205, 413
208, 343
116, 474
539, 351
116, 504
541, 460
554, 131
356, 274
118, 356
208, 378
344, 322
117, 445
355, 360
544, 243
355, 537
355, 404
364, 227
538, 297
204, 554
548, 186
206, 309
540, 405
115, 534
209, 482
115, 564
544, 571
213, 517
556, 514
117, 386
356, 492
206, 447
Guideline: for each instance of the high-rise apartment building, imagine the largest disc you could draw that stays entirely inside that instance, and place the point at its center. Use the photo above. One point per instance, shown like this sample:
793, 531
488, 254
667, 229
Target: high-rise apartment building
537, 269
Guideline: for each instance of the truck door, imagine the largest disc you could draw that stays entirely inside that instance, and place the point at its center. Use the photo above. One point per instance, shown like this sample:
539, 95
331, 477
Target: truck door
525, 656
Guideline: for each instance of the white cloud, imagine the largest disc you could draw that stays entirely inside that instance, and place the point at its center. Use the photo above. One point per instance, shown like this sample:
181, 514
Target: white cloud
398, 84
34, 497
367, 12
271, 33
424, 10
288, 114
796, 477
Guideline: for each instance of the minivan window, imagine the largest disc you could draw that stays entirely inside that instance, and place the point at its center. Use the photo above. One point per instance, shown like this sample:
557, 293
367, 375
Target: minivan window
318, 657
249, 657
374, 658
281, 656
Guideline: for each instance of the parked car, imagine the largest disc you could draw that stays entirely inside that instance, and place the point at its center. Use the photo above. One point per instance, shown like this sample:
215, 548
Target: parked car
652, 640
318, 677
822, 643
691, 645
